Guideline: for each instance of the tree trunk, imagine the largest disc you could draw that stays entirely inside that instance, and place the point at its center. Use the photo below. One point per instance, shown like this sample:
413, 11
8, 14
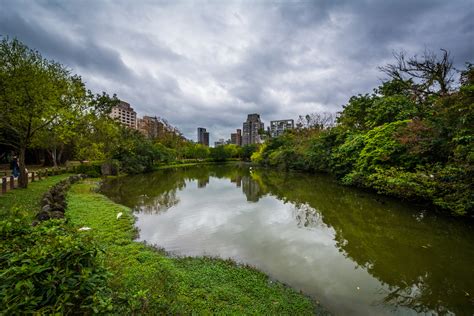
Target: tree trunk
52, 153
23, 178
60, 153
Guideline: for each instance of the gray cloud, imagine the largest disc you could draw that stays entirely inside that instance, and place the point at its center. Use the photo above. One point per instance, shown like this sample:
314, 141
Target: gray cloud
210, 63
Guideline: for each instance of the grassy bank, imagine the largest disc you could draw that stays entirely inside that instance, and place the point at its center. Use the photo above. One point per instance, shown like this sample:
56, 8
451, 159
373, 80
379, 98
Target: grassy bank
25, 203
146, 280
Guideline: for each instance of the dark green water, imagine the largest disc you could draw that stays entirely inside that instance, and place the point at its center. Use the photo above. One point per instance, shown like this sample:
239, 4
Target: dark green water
355, 252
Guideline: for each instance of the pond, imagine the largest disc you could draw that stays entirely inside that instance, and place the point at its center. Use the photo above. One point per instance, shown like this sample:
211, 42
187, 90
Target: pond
357, 253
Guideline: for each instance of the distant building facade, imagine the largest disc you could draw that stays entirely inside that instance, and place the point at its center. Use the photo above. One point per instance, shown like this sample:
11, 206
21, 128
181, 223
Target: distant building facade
203, 136
220, 142
125, 114
251, 129
150, 126
278, 127
236, 138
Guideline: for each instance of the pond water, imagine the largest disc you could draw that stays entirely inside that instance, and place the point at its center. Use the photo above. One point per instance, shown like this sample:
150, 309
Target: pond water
355, 252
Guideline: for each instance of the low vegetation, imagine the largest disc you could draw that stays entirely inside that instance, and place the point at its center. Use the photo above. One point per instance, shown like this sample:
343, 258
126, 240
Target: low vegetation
24, 204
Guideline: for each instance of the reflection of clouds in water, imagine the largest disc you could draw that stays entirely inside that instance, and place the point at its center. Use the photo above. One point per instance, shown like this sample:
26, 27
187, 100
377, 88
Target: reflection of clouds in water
362, 254
290, 242
308, 217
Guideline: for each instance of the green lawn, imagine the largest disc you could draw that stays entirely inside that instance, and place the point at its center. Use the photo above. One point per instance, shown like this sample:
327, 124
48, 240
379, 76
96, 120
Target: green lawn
25, 203
146, 280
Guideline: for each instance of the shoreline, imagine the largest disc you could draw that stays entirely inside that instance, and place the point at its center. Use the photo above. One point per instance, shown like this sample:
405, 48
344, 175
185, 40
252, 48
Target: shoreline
216, 276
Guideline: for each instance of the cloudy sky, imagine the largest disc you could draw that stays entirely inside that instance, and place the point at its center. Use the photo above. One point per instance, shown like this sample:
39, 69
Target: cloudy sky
210, 63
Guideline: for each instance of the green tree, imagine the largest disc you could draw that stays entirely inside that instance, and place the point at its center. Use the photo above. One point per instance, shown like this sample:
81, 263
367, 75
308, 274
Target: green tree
354, 114
33, 93
219, 153
248, 150
96, 134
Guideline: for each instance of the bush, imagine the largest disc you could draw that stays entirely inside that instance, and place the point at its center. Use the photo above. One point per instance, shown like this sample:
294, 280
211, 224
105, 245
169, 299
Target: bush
404, 184
344, 157
49, 269
219, 153
91, 170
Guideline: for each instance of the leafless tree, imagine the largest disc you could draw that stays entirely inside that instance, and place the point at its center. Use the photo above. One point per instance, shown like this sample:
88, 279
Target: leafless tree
320, 121
429, 74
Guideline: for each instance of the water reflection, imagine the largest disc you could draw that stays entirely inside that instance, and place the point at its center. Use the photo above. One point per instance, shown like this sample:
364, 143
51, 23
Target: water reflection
311, 233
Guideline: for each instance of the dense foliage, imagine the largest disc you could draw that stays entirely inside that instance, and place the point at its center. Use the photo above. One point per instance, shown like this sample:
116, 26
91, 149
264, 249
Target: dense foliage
406, 139
50, 268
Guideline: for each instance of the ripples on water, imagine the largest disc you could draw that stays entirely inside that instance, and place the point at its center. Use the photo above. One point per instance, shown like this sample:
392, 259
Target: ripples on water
357, 253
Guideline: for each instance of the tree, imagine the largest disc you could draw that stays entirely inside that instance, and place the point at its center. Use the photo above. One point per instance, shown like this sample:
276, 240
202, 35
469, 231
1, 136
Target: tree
354, 114
321, 121
219, 153
248, 150
96, 134
430, 74
33, 93
64, 129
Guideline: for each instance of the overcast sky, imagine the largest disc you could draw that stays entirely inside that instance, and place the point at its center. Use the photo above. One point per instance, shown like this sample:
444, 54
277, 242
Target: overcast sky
210, 63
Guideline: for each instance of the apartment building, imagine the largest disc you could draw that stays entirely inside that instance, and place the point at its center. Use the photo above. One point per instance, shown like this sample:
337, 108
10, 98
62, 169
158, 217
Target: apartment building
203, 136
150, 126
251, 129
278, 127
236, 138
125, 114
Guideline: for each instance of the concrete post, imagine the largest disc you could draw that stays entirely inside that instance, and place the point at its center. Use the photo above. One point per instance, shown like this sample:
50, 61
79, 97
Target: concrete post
4, 185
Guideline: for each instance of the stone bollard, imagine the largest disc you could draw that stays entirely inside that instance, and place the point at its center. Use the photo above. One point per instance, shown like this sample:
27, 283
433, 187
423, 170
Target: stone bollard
39, 175
12, 182
4, 185
32, 176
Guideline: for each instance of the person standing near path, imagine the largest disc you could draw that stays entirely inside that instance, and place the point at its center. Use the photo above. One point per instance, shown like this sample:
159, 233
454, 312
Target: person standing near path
15, 167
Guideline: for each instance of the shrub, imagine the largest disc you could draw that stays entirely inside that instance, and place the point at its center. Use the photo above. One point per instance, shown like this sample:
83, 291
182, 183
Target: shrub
49, 269
345, 156
92, 170
402, 183
219, 153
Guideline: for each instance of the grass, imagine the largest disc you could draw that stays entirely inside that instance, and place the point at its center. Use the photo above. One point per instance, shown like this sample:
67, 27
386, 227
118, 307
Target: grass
147, 281
25, 203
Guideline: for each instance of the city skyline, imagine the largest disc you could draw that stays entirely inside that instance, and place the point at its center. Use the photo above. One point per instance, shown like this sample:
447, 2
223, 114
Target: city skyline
211, 63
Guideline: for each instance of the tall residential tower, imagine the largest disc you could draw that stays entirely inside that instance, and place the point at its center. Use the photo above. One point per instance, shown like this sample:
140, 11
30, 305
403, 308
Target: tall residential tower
203, 136
251, 129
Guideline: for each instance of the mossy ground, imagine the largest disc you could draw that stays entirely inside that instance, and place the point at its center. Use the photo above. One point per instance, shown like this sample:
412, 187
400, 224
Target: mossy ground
146, 280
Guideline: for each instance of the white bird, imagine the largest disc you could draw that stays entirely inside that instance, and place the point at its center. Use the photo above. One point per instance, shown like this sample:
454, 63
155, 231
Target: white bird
119, 215
84, 228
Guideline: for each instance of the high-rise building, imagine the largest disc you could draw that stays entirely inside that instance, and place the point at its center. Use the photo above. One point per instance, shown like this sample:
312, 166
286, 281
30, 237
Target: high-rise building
150, 126
251, 129
236, 138
202, 136
278, 127
125, 114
